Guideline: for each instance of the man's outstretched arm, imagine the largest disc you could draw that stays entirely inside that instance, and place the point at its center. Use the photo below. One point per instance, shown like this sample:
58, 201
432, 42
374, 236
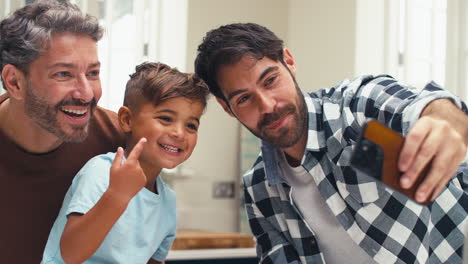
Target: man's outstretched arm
440, 136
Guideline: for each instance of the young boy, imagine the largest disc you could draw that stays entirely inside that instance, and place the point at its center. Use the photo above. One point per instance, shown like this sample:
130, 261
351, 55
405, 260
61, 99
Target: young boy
160, 116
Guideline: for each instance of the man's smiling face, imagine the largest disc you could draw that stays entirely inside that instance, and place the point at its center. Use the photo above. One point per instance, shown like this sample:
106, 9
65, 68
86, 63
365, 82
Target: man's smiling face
264, 97
63, 86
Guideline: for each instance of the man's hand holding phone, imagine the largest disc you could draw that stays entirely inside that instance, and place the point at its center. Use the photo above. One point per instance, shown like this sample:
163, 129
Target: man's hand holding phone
419, 166
440, 136
377, 153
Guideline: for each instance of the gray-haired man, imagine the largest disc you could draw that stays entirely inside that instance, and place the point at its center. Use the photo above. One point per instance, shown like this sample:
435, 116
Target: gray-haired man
49, 122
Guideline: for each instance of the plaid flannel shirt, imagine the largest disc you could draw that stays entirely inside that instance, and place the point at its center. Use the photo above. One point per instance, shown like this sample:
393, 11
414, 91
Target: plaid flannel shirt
390, 227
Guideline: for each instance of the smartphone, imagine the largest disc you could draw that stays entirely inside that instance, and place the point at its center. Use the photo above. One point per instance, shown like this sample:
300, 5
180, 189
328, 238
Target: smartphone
376, 155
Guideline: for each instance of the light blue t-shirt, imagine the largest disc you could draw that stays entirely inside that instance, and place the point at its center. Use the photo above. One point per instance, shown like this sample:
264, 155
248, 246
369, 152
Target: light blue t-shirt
145, 230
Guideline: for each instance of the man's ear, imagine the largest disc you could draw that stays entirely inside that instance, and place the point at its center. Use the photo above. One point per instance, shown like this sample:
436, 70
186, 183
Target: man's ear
15, 81
125, 119
225, 106
289, 60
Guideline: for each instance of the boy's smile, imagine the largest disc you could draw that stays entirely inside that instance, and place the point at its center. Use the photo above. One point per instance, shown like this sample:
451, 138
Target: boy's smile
171, 129
172, 150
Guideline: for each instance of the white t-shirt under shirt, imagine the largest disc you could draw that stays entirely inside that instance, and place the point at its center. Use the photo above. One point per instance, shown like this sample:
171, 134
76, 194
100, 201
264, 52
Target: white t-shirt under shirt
335, 244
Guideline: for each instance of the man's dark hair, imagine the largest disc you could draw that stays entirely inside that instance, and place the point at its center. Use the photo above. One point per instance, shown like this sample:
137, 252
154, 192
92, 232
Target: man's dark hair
158, 82
24, 35
227, 44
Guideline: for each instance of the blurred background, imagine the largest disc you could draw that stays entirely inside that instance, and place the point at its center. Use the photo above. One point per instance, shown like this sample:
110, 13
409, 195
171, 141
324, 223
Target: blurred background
415, 41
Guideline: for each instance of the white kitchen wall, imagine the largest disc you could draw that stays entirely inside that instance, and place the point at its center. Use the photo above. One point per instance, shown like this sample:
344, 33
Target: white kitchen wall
322, 38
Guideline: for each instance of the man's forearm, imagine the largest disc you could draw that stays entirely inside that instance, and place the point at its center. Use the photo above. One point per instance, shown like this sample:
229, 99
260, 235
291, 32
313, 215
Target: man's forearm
446, 110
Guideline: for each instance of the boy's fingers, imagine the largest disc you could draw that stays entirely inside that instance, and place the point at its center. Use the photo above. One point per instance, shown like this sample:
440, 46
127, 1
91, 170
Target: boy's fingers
136, 151
118, 158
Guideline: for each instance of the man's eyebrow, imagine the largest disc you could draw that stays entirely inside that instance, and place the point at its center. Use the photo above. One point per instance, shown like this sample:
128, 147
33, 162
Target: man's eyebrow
71, 65
266, 72
62, 64
96, 64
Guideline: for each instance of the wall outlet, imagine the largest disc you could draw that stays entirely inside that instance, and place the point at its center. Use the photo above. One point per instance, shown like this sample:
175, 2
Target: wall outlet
223, 190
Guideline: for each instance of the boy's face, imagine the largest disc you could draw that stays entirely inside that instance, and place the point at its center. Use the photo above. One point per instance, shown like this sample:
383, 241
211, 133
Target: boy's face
171, 129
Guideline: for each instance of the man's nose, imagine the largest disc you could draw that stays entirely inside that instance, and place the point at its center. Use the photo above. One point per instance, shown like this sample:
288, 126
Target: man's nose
266, 102
84, 89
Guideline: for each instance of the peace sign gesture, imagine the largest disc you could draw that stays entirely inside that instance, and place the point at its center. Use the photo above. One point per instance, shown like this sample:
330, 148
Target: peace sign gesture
127, 178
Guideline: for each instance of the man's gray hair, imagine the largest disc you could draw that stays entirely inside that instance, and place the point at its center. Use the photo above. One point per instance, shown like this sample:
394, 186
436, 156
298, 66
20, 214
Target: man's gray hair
25, 33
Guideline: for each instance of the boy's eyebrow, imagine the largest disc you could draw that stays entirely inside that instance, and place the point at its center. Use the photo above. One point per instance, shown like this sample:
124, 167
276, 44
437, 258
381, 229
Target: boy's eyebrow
264, 73
196, 119
174, 113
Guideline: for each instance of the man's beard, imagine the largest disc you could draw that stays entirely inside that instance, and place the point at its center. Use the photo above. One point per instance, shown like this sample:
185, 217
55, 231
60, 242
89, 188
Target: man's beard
288, 136
45, 116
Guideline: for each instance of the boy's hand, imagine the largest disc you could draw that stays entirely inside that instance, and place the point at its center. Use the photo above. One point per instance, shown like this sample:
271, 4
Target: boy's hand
127, 178
437, 138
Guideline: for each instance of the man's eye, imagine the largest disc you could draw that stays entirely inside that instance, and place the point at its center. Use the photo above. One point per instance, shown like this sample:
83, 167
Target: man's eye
243, 99
270, 80
94, 73
63, 74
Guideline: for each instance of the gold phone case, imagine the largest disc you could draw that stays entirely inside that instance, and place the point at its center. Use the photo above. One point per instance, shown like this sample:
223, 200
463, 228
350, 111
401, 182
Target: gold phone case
376, 154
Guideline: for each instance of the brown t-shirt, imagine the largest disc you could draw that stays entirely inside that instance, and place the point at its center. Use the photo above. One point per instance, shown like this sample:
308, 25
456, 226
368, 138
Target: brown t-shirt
33, 186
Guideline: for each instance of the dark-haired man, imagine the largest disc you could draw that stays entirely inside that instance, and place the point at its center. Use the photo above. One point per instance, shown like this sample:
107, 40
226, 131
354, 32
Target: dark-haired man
49, 122
304, 202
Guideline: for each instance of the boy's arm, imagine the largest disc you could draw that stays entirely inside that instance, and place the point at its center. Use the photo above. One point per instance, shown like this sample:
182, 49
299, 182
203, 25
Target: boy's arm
83, 234
152, 261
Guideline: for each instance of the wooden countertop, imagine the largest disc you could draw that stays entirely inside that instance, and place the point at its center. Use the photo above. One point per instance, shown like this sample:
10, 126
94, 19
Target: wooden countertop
217, 253
200, 239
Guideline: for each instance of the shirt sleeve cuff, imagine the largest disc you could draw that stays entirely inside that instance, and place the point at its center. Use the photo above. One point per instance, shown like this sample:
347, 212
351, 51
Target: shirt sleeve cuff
160, 255
79, 209
413, 112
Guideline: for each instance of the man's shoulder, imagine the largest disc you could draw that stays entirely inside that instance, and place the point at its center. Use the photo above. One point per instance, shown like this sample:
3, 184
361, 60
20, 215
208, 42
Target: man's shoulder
101, 113
105, 126
256, 174
352, 84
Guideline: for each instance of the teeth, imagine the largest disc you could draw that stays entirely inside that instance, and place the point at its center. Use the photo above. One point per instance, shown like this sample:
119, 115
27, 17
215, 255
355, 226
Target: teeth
169, 148
73, 111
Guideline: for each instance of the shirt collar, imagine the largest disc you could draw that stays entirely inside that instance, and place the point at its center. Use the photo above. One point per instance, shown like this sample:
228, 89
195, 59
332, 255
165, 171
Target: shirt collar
270, 153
